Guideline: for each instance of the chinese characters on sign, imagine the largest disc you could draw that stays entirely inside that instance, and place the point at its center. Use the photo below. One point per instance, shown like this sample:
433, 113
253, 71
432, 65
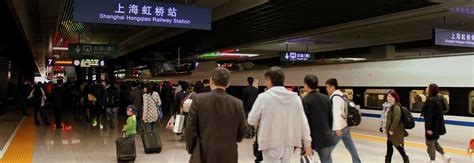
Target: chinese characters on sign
297, 56
453, 38
89, 63
142, 13
96, 50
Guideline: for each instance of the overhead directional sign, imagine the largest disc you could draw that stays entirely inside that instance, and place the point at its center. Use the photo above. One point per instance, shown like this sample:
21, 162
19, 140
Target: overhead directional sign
142, 13
297, 56
453, 38
95, 50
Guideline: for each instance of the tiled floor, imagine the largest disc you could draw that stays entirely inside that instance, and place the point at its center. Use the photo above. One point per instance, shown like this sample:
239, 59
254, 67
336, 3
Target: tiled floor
84, 143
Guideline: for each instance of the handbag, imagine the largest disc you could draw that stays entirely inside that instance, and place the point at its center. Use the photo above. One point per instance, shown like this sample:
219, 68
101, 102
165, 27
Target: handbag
306, 159
159, 109
257, 153
170, 124
178, 125
187, 101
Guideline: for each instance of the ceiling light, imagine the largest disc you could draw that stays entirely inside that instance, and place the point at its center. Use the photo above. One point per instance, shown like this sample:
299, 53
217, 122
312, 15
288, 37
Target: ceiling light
60, 48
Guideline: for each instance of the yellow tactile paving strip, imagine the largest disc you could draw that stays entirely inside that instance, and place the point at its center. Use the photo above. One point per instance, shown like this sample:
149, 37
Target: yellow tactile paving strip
412, 144
22, 147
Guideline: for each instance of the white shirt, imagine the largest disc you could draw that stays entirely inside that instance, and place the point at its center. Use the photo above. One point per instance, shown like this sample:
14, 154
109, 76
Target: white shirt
338, 114
281, 119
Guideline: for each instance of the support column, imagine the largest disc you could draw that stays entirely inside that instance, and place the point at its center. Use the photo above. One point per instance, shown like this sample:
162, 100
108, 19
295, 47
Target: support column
98, 72
383, 52
90, 73
4, 80
129, 69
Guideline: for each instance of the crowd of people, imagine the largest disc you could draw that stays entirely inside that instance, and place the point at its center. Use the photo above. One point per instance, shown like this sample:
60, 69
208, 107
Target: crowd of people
281, 120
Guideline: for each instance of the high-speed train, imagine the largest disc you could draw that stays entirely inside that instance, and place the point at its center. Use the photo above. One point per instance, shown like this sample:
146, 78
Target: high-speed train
366, 83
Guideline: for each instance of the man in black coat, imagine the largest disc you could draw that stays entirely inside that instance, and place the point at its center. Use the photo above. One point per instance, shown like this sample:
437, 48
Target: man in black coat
59, 98
24, 93
318, 111
249, 96
434, 122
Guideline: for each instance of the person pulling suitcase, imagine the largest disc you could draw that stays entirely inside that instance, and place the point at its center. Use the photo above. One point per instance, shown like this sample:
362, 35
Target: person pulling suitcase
126, 150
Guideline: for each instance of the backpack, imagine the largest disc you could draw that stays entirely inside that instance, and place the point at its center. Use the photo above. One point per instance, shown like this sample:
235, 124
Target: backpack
407, 119
352, 113
37, 93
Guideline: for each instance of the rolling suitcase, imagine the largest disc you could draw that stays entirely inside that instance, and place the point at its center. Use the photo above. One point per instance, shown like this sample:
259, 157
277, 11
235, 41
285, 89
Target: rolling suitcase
151, 139
126, 149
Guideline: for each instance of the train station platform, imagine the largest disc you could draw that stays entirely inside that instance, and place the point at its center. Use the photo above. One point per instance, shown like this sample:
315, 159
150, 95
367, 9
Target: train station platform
80, 142
9, 123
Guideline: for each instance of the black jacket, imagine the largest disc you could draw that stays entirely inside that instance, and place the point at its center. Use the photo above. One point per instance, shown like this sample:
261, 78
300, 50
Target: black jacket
59, 96
180, 96
433, 116
249, 96
111, 97
318, 111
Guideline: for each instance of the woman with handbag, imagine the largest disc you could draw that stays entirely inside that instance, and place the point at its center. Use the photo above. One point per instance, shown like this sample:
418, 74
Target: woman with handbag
151, 100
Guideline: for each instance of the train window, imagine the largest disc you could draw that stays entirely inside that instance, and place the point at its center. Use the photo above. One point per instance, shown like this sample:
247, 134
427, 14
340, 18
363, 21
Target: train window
374, 98
445, 95
417, 100
348, 93
471, 102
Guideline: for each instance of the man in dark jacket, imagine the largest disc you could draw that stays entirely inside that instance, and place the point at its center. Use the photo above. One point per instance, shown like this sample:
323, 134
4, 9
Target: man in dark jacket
434, 122
59, 98
317, 107
111, 102
180, 96
39, 101
136, 97
167, 93
24, 93
207, 88
249, 95
216, 122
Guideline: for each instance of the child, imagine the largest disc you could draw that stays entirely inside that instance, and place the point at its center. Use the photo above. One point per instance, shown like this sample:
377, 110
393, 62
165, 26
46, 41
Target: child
131, 127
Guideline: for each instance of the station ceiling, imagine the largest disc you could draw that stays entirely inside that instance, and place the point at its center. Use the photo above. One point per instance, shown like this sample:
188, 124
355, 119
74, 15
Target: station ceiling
259, 26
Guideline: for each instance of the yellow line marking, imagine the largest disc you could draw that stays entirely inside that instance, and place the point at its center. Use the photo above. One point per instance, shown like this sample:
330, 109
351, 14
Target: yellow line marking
23, 145
413, 144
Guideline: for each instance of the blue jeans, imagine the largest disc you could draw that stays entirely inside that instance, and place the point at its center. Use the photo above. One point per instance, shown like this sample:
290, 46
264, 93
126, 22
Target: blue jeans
111, 113
325, 154
346, 138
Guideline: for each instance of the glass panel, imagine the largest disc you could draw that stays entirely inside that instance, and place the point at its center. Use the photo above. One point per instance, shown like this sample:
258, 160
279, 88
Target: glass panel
374, 98
471, 103
445, 95
348, 93
417, 100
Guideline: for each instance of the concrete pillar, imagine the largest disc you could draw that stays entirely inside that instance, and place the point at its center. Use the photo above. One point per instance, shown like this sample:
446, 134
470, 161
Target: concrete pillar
129, 69
90, 73
383, 52
98, 72
4, 80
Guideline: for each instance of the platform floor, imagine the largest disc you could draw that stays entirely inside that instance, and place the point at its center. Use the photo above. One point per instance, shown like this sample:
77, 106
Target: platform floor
8, 122
84, 143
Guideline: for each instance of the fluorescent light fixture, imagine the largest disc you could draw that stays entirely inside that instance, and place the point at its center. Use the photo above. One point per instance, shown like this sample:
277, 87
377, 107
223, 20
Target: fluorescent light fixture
213, 55
61, 48
352, 59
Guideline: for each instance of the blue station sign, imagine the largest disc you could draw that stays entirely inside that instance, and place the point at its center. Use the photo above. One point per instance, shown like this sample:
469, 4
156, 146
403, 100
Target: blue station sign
453, 38
142, 13
297, 56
